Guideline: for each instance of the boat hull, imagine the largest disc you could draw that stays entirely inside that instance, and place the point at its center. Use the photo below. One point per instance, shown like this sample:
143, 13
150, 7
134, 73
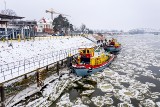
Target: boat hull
86, 72
112, 49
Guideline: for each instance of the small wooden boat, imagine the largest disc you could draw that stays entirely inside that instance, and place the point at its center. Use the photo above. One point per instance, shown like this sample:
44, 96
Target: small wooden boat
91, 61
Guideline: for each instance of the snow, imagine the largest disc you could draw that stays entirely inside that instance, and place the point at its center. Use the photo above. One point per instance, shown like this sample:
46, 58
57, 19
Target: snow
31, 55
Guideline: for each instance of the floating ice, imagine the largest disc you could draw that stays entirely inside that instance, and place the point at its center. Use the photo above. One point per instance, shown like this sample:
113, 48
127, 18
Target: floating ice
88, 86
87, 92
109, 72
99, 75
154, 96
148, 103
156, 93
80, 105
107, 95
64, 101
86, 100
78, 101
80, 83
123, 79
143, 88
158, 104
140, 97
98, 101
74, 85
131, 93
108, 101
125, 105
105, 87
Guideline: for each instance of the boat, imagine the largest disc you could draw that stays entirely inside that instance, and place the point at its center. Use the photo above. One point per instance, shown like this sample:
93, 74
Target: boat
91, 60
113, 46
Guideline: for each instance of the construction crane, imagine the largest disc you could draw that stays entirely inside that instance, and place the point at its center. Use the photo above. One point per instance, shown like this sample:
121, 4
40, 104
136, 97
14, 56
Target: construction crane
51, 11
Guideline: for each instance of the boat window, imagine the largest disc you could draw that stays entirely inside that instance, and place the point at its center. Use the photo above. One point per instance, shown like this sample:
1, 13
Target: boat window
87, 51
85, 60
84, 51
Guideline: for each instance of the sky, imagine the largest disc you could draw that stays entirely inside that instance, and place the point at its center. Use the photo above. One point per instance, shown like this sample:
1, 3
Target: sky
95, 14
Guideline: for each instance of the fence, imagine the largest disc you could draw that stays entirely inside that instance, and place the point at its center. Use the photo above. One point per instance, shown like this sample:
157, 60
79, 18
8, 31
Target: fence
18, 68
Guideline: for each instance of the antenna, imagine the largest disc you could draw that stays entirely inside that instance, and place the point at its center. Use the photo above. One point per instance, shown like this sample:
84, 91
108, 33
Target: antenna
5, 4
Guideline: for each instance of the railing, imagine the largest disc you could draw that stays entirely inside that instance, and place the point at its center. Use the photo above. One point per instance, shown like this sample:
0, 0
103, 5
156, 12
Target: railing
18, 68
4, 35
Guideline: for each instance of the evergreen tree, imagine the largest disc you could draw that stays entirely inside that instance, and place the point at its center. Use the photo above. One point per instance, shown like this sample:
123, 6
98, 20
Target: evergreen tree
61, 24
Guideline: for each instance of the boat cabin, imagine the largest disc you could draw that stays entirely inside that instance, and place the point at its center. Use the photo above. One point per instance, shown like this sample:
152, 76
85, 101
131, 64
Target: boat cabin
85, 55
91, 56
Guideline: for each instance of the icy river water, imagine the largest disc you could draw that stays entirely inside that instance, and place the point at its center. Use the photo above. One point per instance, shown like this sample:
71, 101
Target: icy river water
133, 79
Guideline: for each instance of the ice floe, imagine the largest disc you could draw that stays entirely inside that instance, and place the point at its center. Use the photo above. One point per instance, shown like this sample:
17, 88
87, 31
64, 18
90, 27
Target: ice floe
87, 92
148, 103
125, 105
105, 87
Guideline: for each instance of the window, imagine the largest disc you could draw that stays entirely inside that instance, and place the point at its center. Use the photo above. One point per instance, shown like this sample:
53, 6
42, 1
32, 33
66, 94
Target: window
84, 51
87, 51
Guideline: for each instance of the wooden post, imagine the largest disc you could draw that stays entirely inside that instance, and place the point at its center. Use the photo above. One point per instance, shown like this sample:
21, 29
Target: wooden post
61, 62
25, 76
69, 61
2, 101
47, 67
39, 79
37, 74
57, 68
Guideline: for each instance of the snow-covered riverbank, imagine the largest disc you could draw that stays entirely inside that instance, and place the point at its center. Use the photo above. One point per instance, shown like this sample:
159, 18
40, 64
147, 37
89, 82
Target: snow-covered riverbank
30, 55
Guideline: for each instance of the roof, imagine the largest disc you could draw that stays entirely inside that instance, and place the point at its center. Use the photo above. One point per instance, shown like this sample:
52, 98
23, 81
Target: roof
3, 16
3, 22
44, 21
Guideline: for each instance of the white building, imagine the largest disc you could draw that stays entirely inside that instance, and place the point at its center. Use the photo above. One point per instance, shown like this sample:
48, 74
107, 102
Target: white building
10, 27
45, 26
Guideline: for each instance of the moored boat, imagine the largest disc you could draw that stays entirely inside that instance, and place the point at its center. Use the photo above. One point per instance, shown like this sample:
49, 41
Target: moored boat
91, 61
113, 46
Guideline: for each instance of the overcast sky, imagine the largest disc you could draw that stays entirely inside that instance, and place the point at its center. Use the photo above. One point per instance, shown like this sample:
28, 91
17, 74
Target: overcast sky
96, 14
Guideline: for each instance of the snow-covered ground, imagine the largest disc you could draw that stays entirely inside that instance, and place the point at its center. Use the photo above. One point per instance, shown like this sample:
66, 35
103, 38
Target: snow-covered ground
27, 56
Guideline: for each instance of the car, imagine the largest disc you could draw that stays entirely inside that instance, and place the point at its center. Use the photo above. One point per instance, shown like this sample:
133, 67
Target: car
54, 34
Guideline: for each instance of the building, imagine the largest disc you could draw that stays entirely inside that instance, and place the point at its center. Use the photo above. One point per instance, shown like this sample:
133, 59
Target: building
45, 26
27, 28
12, 26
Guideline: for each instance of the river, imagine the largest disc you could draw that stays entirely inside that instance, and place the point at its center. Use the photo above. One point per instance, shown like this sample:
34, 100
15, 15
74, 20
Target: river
133, 78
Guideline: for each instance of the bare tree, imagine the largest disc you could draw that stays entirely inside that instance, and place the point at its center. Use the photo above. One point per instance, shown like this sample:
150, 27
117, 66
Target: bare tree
8, 12
83, 27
